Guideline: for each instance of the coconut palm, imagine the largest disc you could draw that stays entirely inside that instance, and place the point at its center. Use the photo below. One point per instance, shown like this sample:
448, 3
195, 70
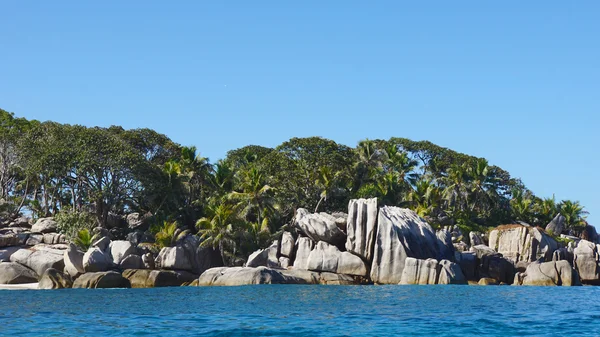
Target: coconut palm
574, 214
255, 202
425, 197
218, 230
326, 182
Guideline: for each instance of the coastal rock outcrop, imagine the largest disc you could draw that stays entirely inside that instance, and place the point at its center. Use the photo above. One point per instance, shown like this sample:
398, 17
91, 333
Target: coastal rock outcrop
401, 234
264, 257
73, 260
304, 246
132, 261
287, 244
107, 279
39, 260
554, 273
144, 278
320, 227
557, 225
8, 240
585, 261
54, 279
430, 271
522, 243
119, 249
361, 227
328, 258
173, 258
15, 273
237, 276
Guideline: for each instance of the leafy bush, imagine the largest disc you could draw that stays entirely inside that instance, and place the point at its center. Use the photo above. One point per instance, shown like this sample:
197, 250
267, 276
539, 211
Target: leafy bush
165, 234
84, 239
72, 223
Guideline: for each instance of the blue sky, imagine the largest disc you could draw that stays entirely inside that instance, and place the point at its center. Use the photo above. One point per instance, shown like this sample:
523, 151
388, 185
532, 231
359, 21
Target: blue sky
516, 82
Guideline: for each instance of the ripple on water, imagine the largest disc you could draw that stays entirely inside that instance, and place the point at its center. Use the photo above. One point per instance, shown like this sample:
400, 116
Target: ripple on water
289, 310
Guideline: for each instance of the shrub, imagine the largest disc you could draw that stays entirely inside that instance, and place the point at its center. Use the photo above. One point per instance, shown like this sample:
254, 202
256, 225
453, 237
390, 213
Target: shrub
84, 239
71, 223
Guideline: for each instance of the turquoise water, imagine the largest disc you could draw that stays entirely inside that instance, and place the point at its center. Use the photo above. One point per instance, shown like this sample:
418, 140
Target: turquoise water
292, 310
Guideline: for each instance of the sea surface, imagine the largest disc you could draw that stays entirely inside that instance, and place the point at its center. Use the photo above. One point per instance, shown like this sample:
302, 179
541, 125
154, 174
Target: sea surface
296, 310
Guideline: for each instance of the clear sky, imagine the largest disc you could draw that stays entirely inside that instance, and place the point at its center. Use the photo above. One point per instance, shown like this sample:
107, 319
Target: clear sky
517, 82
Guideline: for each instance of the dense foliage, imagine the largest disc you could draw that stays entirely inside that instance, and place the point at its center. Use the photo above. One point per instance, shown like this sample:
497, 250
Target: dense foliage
237, 204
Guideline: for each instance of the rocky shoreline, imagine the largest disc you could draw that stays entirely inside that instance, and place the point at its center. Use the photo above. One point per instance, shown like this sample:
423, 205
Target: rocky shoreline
368, 245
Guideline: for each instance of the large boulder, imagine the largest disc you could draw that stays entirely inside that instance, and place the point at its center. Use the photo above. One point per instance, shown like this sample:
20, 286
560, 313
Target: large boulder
201, 258
107, 279
34, 239
119, 249
173, 258
287, 245
237, 276
39, 260
522, 243
54, 238
102, 243
264, 257
73, 261
589, 233
418, 271
361, 227
44, 225
15, 273
555, 273
136, 221
328, 258
54, 279
401, 234
95, 260
6, 253
304, 246
557, 225
468, 264
320, 227
144, 278
8, 240
585, 261
450, 273
132, 261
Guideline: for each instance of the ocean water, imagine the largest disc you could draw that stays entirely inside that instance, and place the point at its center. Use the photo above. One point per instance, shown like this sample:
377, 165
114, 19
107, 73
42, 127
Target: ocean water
295, 310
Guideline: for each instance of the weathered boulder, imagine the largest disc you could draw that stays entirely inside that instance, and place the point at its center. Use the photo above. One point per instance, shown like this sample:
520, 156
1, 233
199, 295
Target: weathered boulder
102, 243
450, 273
287, 244
44, 225
418, 271
328, 258
136, 221
585, 261
522, 243
589, 233
284, 262
95, 260
107, 279
319, 227
201, 258
39, 260
264, 257
22, 221
468, 264
119, 249
73, 261
401, 234
555, 273
557, 225
8, 240
304, 246
144, 278
488, 281
15, 273
491, 264
237, 276
132, 261
475, 239
361, 227
311, 277
54, 279
34, 239
54, 238
173, 258
563, 254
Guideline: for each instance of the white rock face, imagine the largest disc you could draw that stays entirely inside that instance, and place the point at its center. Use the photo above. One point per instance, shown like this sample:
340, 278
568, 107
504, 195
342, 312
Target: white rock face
328, 258
173, 258
39, 260
119, 250
450, 273
361, 227
15, 273
418, 271
95, 260
401, 234
284, 262
287, 244
304, 246
132, 262
44, 225
521, 243
585, 261
73, 261
264, 257
319, 227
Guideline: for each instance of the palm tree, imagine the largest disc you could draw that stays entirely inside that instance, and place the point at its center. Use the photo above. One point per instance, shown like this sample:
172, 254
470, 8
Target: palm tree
399, 161
222, 178
165, 237
219, 229
425, 197
255, 202
521, 206
483, 187
456, 190
326, 182
574, 213
545, 209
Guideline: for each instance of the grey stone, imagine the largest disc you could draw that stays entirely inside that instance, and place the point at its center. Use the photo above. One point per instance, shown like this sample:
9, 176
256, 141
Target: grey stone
555, 273
54, 279
7, 252
585, 262
148, 260
417, 271
287, 244
264, 257
15, 273
119, 249
144, 278
328, 258
95, 260
102, 243
304, 246
475, 239
284, 262
450, 273
557, 225
173, 258
73, 261
39, 260
107, 279
319, 227
34, 239
8, 240
132, 262
361, 227
521, 243
44, 225
237, 276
